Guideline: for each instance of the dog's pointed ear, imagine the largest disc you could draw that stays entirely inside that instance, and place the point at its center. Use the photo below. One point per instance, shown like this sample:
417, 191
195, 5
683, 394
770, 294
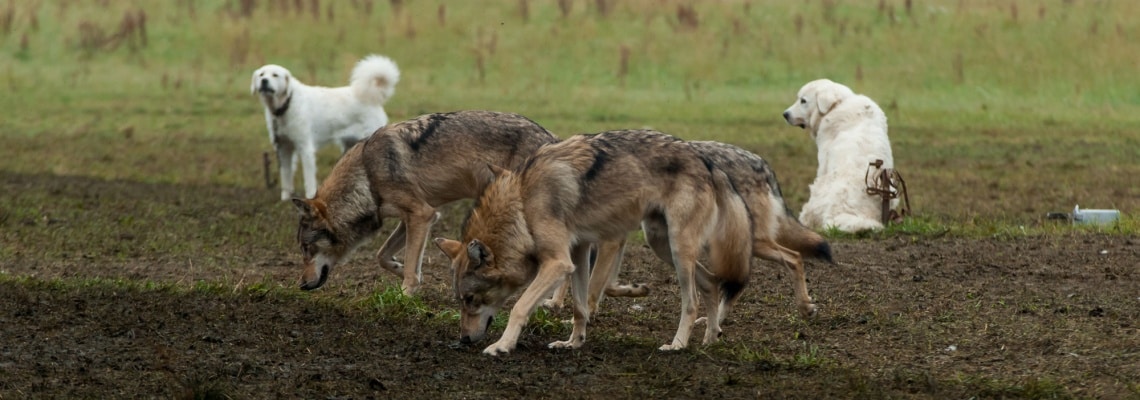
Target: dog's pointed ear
451, 248
303, 207
478, 254
314, 208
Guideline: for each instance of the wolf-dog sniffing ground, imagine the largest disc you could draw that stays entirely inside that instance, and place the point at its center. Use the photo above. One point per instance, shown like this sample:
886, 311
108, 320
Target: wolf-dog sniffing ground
850, 132
406, 170
776, 234
536, 225
302, 118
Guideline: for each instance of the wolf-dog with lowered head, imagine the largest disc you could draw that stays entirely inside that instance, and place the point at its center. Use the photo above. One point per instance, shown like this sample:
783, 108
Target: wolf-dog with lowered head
776, 234
536, 225
406, 170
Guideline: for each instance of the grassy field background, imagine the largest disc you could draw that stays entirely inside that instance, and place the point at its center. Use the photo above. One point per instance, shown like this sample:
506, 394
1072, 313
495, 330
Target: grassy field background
1034, 101
140, 253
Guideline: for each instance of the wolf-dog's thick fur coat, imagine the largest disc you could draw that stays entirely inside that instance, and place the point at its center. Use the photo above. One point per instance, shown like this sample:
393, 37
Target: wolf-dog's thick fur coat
406, 170
536, 225
776, 234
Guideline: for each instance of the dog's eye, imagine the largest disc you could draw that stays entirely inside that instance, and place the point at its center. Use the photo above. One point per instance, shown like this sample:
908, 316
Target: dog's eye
803, 100
274, 75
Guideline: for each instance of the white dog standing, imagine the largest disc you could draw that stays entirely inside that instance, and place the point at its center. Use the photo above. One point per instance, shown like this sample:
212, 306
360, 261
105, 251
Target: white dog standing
850, 132
302, 119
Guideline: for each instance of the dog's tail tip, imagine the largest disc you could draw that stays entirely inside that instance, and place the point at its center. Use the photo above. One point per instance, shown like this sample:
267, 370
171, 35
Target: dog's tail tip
374, 79
823, 252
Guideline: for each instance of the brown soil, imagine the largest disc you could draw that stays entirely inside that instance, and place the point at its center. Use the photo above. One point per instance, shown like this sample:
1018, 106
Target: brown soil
902, 316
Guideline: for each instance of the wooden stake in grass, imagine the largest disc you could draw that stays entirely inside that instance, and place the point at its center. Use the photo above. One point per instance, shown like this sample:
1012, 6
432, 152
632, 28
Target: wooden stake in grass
687, 17
623, 63
6, 18
524, 10
441, 14
565, 6
397, 6
959, 69
603, 7
480, 64
859, 72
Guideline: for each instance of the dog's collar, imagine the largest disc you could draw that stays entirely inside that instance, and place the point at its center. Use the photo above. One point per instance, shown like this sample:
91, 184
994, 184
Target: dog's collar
279, 111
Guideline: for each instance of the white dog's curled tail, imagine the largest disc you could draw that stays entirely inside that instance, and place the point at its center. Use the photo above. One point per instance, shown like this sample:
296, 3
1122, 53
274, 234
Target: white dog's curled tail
374, 79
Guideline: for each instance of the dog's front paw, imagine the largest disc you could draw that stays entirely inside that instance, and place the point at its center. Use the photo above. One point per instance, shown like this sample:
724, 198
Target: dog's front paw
672, 347
286, 195
565, 344
499, 348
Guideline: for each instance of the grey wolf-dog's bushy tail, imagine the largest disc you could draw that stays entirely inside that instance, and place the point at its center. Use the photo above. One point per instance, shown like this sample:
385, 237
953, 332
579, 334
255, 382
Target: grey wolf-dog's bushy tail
730, 251
374, 79
794, 235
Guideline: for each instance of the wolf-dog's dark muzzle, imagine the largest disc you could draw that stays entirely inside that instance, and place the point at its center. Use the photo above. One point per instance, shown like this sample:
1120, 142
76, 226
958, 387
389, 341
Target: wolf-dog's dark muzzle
468, 339
322, 276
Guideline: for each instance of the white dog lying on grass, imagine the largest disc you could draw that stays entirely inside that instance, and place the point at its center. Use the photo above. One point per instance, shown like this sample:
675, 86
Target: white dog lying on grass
302, 119
850, 132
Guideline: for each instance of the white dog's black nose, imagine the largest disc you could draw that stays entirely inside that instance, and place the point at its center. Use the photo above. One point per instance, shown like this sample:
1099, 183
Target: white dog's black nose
787, 115
265, 86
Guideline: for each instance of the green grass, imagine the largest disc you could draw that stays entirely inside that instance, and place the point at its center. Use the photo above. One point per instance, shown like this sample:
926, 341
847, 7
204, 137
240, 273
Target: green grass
997, 115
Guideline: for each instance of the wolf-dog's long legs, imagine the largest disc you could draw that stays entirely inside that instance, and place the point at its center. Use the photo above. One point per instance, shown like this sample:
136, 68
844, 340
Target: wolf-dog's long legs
682, 246
413, 252
387, 253
578, 288
551, 273
603, 278
418, 225
604, 275
790, 258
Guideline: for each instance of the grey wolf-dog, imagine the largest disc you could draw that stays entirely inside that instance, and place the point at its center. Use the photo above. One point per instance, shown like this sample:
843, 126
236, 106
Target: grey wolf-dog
302, 118
850, 132
406, 170
535, 226
776, 234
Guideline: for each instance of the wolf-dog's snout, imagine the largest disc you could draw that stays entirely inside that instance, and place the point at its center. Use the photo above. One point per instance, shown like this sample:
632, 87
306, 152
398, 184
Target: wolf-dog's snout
322, 276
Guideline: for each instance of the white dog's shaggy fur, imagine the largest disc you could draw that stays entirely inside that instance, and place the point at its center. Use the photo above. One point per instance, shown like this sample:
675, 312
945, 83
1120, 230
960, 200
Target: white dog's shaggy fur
850, 132
302, 119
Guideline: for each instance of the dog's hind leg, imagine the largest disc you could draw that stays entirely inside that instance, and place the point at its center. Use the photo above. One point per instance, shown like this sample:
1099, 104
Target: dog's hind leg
418, 224
580, 254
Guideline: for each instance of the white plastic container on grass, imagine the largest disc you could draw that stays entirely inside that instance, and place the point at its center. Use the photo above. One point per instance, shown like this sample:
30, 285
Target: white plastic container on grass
1095, 217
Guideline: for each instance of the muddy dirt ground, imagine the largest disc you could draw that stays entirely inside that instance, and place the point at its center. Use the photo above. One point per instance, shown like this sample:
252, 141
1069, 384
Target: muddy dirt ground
113, 289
